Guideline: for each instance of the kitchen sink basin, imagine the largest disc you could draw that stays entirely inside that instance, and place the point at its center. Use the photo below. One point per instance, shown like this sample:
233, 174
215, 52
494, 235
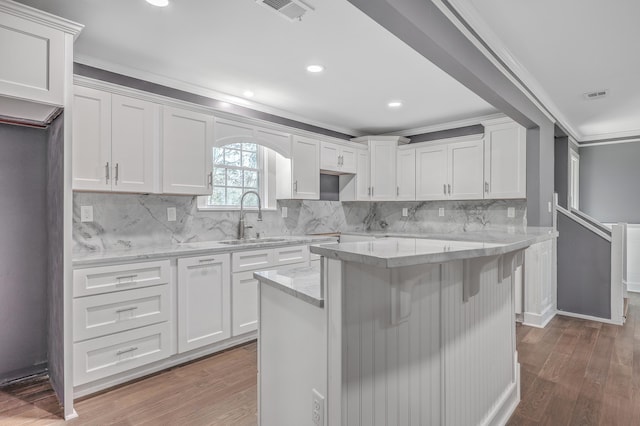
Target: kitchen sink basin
252, 241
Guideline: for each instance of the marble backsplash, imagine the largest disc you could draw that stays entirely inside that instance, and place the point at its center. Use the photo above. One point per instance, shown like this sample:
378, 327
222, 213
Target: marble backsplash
122, 221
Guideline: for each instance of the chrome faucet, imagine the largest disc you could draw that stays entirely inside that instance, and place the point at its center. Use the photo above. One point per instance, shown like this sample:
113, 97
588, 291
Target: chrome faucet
241, 226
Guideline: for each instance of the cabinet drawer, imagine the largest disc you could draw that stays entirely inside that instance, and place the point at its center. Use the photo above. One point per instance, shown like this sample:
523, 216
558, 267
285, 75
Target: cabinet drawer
96, 316
251, 260
288, 255
106, 279
98, 358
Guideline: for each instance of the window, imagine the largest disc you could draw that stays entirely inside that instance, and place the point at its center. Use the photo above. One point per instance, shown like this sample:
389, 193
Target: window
236, 168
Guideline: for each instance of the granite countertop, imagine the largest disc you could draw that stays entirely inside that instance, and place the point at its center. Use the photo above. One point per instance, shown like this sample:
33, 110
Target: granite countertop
396, 250
303, 283
191, 249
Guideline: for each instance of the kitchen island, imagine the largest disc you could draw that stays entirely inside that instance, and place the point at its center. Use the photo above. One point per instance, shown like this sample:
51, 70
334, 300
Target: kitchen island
401, 331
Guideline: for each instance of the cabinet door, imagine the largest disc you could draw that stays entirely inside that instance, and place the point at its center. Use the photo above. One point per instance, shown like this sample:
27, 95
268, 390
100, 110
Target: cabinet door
382, 156
348, 160
134, 144
406, 179
305, 168
329, 156
91, 139
431, 173
245, 303
363, 187
187, 152
505, 161
204, 301
466, 170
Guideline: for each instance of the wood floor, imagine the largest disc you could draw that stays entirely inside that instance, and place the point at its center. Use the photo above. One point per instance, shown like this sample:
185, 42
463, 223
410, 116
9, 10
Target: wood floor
574, 372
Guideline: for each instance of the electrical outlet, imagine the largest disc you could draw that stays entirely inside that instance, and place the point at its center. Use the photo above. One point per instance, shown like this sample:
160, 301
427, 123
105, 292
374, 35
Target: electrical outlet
405, 212
511, 212
441, 211
86, 213
171, 214
317, 408
284, 211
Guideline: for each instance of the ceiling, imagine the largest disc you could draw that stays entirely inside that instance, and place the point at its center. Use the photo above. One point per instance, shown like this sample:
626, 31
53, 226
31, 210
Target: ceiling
564, 49
221, 48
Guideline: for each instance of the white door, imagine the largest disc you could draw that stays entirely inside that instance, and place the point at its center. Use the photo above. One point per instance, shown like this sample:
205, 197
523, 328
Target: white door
204, 301
363, 187
382, 155
505, 160
244, 317
466, 170
348, 160
91, 139
305, 165
431, 173
187, 152
406, 179
329, 154
134, 144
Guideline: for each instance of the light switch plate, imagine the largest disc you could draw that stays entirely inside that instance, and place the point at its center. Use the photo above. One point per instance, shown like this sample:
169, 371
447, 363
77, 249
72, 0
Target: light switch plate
511, 212
405, 212
171, 214
441, 211
284, 211
86, 213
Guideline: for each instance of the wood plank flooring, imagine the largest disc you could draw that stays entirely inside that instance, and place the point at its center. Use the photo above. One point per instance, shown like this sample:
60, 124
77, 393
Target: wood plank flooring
574, 372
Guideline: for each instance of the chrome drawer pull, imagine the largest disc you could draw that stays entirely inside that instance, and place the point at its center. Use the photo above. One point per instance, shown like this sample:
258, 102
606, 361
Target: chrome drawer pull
126, 309
124, 351
126, 276
207, 260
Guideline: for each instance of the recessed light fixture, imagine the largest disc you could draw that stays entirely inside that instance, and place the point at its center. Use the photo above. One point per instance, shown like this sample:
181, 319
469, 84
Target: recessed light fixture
394, 104
159, 3
248, 94
315, 68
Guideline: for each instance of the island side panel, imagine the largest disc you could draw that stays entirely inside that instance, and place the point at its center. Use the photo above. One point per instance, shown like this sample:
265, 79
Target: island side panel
292, 358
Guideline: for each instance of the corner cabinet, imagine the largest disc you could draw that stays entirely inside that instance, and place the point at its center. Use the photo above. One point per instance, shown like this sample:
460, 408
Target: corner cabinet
298, 177
187, 152
337, 159
116, 142
505, 159
204, 301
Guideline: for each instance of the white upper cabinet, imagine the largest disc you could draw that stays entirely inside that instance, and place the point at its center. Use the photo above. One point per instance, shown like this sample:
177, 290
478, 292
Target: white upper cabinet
406, 175
91, 139
363, 185
466, 170
450, 171
115, 142
229, 131
505, 159
134, 144
338, 159
187, 163
305, 168
382, 160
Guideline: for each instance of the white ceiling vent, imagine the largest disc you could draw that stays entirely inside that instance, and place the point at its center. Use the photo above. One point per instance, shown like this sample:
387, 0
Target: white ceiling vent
290, 9
598, 94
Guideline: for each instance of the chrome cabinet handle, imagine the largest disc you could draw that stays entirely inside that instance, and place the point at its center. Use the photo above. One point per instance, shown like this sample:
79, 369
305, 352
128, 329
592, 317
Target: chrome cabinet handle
126, 309
397, 191
210, 179
127, 276
124, 351
295, 186
211, 259
106, 173
449, 186
368, 190
372, 191
486, 187
117, 173
445, 188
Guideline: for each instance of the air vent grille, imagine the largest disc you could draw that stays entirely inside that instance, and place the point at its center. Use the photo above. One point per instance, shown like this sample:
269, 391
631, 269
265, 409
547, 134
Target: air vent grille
597, 94
290, 9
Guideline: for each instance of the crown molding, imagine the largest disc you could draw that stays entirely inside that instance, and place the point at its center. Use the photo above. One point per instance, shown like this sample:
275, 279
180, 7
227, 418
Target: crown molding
204, 91
446, 126
40, 17
603, 143
607, 137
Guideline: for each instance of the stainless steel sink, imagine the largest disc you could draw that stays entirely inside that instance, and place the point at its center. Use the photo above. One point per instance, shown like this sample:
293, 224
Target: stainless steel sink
252, 241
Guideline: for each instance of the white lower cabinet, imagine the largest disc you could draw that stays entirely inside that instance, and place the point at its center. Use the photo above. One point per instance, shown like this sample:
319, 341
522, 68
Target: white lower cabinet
244, 303
204, 301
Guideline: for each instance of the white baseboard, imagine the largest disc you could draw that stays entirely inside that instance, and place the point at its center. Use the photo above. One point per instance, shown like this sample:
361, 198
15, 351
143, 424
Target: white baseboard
589, 317
633, 287
177, 359
539, 320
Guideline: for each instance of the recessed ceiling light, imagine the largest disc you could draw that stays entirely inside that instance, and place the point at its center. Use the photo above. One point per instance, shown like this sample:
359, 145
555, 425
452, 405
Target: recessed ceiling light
394, 104
248, 94
315, 68
159, 3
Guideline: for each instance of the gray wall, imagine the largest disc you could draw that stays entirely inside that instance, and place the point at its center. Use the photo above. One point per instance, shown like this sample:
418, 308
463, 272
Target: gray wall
584, 270
23, 251
610, 182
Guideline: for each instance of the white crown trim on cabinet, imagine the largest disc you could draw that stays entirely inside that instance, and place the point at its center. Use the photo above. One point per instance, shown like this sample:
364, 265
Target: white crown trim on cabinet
448, 125
40, 17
